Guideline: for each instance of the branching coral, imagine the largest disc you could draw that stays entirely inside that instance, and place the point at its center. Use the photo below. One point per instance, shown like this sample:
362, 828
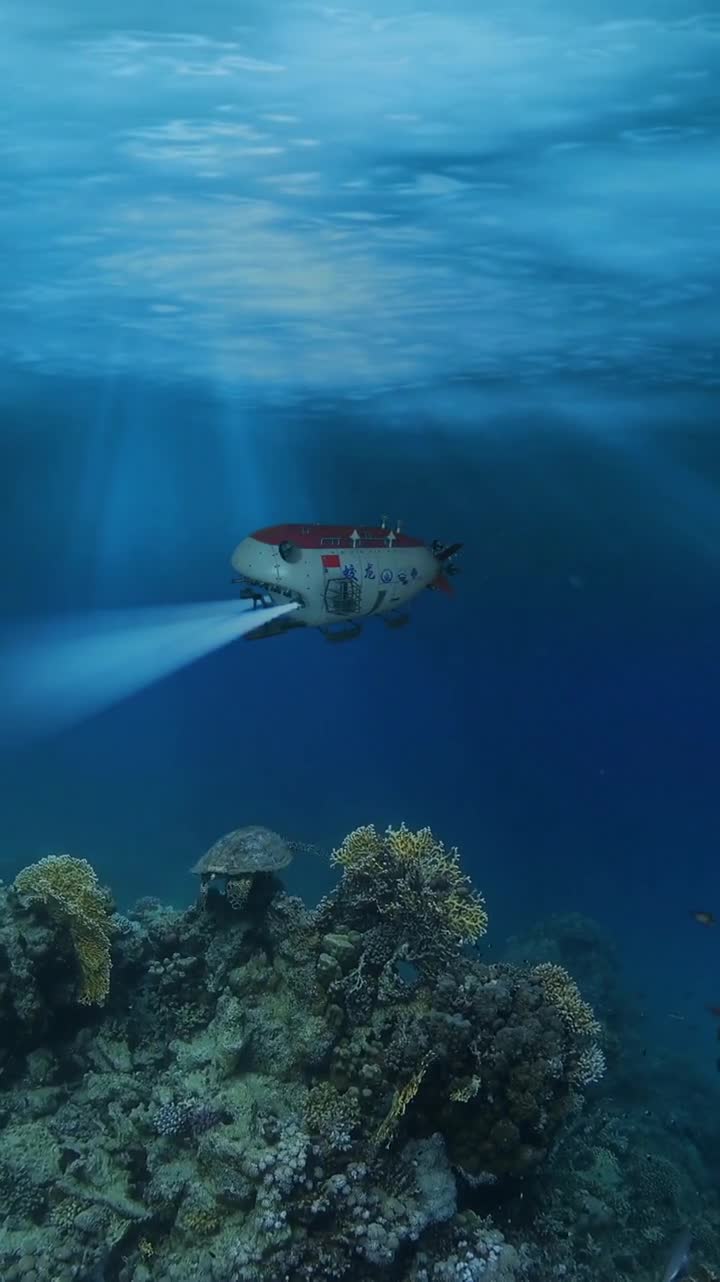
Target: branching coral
590, 1066
331, 1116
415, 885
70, 891
561, 991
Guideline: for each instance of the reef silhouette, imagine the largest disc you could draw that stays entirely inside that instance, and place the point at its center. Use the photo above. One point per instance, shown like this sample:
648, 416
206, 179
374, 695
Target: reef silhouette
251, 1089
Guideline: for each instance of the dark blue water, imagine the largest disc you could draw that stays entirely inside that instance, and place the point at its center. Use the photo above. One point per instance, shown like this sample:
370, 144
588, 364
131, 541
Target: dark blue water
556, 719
325, 265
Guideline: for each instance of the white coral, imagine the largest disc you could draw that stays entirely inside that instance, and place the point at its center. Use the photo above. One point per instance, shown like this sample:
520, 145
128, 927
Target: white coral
590, 1067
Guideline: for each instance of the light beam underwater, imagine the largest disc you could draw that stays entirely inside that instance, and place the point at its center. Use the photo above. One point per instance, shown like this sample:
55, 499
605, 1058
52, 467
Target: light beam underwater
55, 674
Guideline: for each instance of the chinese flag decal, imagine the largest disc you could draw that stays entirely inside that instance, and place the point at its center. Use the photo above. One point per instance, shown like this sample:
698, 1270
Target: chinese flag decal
331, 561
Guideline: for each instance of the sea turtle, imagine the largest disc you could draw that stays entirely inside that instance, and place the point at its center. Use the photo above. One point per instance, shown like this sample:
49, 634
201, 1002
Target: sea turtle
238, 856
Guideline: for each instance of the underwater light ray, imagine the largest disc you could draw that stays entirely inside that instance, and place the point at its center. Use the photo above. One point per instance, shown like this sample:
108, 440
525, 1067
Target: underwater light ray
56, 674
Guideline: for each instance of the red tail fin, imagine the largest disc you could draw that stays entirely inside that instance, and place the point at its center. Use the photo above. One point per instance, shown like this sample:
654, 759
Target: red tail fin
443, 583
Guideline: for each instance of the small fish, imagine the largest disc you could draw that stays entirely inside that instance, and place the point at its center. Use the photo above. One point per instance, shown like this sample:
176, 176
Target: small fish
703, 918
679, 1259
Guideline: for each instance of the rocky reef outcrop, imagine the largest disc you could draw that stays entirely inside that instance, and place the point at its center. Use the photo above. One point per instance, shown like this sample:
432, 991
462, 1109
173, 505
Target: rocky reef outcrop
257, 1091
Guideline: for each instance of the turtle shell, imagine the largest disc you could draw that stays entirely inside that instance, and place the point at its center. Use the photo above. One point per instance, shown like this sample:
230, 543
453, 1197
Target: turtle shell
243, 852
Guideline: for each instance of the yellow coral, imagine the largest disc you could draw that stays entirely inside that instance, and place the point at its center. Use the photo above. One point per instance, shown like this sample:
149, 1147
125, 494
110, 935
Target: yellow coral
561, 991
361, 852
64, 1213
70, 891
423, 872
365, 851
201, 1221
326, 1109
401, 1099
415, 847
466, 915
466, 1090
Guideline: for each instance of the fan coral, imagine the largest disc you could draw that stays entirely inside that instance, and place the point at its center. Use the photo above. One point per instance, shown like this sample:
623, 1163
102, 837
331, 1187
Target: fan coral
70, 891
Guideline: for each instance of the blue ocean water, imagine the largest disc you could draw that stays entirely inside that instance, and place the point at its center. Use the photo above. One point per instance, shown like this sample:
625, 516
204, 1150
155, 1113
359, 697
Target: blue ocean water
317, 263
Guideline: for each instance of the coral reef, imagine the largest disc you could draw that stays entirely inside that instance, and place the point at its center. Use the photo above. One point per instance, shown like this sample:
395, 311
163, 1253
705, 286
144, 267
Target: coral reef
69, 890
269, 1092
409, 898
409, 877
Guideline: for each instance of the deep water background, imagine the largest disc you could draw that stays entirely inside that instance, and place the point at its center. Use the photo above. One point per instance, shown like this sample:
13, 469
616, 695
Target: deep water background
528, 366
